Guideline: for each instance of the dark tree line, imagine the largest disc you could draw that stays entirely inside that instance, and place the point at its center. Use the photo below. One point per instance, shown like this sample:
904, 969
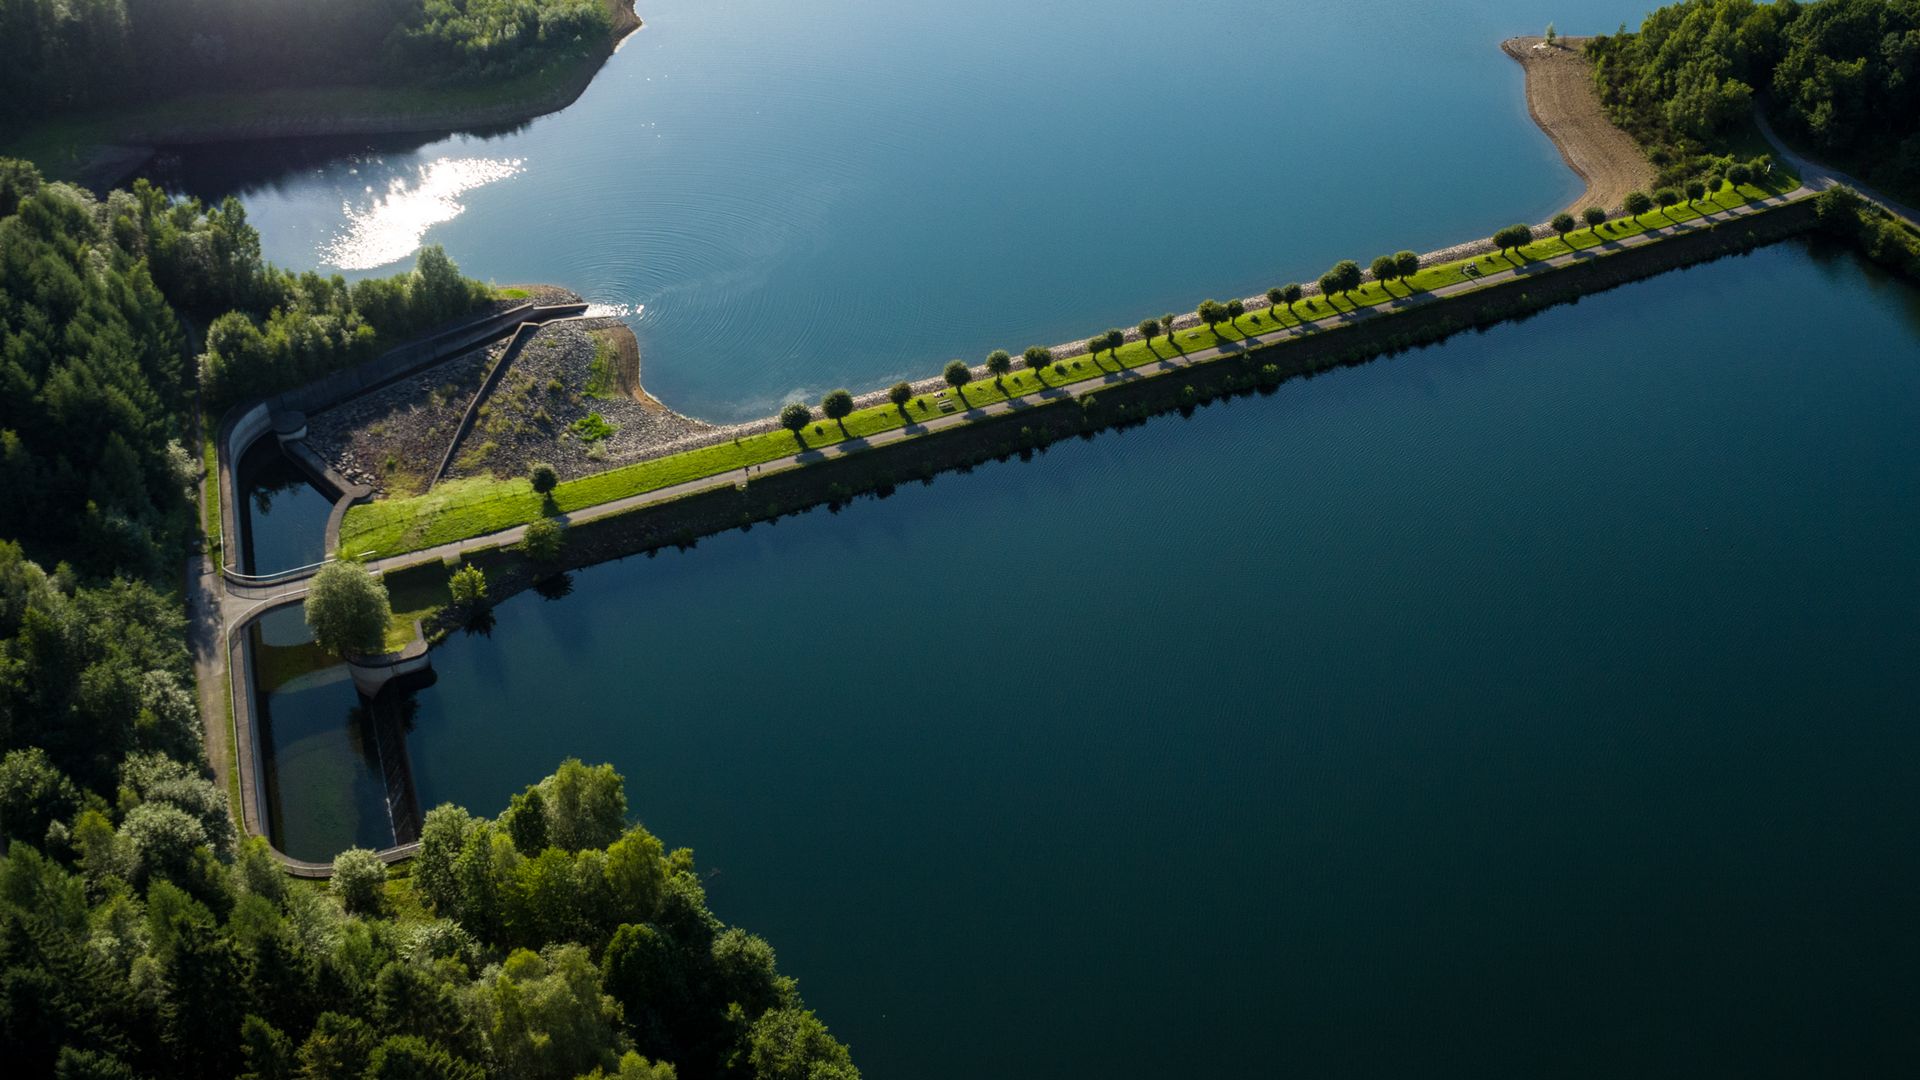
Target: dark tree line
95, 380
1844, 75
70, 54
140, 937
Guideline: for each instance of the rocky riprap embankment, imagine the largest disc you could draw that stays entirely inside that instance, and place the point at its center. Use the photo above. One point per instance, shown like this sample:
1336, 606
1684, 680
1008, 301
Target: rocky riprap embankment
530, 415
391, 439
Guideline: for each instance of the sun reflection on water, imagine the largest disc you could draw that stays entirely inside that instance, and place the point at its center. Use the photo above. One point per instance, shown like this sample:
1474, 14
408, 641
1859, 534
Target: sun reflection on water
390, 226
615, 311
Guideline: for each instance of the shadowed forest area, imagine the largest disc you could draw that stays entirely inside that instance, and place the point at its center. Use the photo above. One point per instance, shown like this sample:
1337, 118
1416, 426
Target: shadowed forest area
62, 55
140, 934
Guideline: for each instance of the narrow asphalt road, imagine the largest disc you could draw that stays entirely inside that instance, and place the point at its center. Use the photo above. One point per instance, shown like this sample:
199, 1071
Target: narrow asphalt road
1818, 177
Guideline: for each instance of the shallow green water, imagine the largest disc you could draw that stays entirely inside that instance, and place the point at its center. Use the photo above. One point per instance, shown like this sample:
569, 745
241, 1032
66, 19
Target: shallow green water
1539, 703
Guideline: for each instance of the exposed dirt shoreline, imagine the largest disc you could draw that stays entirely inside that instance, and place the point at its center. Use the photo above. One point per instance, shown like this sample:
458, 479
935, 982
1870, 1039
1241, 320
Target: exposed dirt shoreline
1561, 98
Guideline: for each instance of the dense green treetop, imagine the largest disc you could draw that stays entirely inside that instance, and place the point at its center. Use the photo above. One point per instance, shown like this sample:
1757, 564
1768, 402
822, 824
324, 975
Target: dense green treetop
347, 609
1843, 75
95, 380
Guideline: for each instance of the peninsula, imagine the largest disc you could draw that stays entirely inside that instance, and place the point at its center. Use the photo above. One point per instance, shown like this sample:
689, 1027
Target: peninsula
384, 70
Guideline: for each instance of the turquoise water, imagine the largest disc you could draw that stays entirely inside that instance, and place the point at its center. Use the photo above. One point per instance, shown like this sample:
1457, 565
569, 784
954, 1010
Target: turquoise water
1534, 704
799, 196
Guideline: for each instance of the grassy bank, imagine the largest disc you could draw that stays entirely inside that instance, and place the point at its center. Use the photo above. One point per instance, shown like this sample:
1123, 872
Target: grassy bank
475, 507
210, 493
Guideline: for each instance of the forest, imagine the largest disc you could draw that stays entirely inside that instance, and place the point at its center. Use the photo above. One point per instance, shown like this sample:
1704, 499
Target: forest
140, 934
96, 300
1841, 77
58, 55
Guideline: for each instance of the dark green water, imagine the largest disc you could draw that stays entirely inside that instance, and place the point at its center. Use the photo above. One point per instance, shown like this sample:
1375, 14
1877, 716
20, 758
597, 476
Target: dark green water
283, 517
324, 789
1541, 703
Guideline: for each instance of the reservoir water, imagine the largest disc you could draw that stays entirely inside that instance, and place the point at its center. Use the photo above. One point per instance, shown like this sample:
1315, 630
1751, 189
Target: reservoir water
1539, 703
791, 197
1547, 695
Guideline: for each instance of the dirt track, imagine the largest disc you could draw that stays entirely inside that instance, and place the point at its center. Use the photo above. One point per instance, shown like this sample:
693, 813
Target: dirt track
1561, 98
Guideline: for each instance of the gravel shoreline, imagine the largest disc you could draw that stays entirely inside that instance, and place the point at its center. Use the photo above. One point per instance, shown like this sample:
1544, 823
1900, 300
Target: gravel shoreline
1562, 101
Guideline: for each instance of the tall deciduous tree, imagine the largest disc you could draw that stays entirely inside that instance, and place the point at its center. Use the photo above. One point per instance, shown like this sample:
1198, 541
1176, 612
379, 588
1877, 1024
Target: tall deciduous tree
999, 363
1211, 312
1384, 269
347, 609
1348, 274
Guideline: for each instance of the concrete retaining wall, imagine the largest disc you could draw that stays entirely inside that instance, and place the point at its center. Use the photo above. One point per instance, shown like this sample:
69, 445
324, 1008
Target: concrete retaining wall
371, 674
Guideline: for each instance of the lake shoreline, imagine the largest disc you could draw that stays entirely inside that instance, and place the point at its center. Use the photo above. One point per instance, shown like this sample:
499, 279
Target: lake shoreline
105, 152
1607, 159
1562, 101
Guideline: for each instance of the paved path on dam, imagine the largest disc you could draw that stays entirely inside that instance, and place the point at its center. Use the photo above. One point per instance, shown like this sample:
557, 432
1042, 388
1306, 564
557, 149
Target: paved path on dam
455, 550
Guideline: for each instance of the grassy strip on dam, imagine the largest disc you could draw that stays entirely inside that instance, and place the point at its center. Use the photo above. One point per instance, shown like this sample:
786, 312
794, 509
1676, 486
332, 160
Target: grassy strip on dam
466, 509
